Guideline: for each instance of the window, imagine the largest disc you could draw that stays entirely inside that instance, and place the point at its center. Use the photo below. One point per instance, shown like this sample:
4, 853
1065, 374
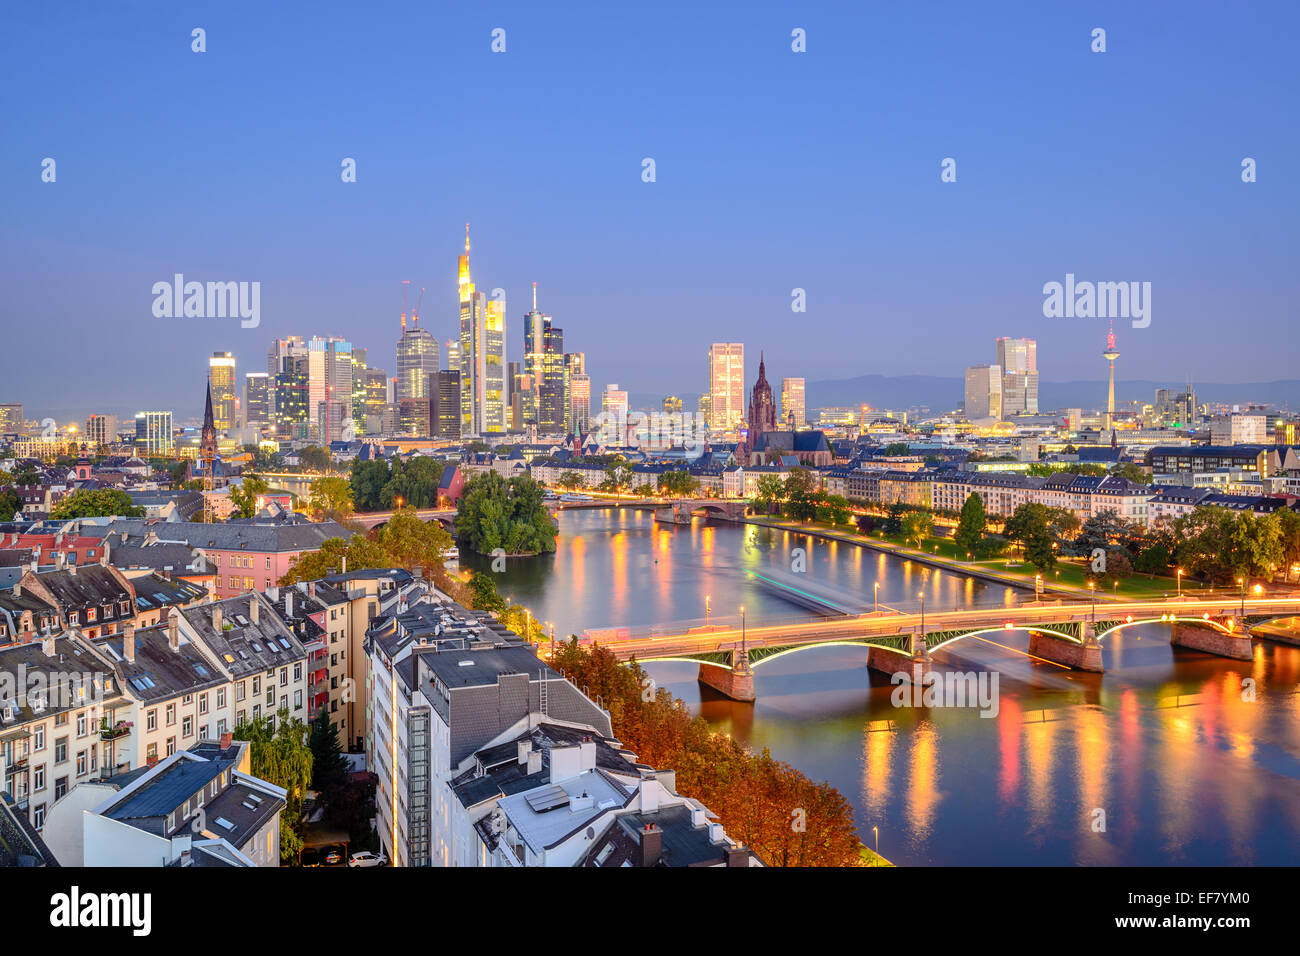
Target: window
38, 738
60, 788
38, 779
284, 703
187, 727
171, 746
171, 715
221, 697
284, 676
38, 816
60, 719
297, 699
203, 703
61, 750
257, 686
90, 614
81, 762
221, 726
239, 691
270, 695
151, 753
151, 719
81, 725
268, 562
241, 717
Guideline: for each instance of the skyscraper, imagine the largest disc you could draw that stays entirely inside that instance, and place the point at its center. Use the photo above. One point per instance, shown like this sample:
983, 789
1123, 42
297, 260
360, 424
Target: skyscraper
578, 385
280, 351
221, 382
444, 404
544, 365
417, 359
153, 432
291, 397
613, 411
793, 413
726, 385
101, 430
1018, 359
257, 399
482, 356
329, 386
983, 392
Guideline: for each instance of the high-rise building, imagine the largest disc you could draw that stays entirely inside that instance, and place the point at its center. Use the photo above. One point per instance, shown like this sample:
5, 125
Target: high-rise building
360, 371
793, 413
983, 392
376, 386
726, 385
444, 404
153, 432
453, 355
101, 430
221, 379
257, 399
672, 405
417, 359
291, 397
1018, 359
613, 411
544, 363
577, 392
11, 418
280, 351
329, 385
482, 356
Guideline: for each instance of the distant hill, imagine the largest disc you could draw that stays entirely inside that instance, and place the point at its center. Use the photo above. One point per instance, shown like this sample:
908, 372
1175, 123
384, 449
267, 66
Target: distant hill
907, 391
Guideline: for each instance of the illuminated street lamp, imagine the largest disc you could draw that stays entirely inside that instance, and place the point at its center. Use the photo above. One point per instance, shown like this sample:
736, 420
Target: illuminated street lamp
876, 831
922, 597
1180, 582
1038, 586
1092, 586
876, 599
1242, 582
742, 629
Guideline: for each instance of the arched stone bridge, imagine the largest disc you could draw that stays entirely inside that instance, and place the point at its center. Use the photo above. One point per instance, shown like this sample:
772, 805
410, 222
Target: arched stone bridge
680, 512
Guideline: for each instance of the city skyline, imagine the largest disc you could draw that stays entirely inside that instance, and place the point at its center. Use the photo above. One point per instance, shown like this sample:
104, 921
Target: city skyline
939, 268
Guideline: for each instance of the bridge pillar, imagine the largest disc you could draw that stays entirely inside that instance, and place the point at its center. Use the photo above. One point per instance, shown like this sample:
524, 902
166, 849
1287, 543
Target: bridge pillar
1081, 657
914, 660
1198, 637
736, 683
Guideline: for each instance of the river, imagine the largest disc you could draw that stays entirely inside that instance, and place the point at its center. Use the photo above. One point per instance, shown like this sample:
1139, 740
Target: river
1172, 757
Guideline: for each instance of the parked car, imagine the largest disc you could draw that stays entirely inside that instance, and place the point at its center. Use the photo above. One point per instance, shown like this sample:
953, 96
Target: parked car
332, 857
366, 858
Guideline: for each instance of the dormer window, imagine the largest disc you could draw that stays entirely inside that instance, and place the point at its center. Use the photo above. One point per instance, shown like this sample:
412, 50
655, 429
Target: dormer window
90, 614
72, 618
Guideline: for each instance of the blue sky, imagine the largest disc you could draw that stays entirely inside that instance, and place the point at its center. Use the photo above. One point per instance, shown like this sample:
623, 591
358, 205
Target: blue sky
775, 170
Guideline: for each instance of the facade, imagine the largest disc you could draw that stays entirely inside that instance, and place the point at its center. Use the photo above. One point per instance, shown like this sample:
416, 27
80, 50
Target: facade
221, 382
101, 430
444, 404
258, 400
983, 392
1239, 429
726, 386
11, 418
1018, 359
417, 359
761, 418
153, 433
613, 413
578, 389
482, 356
794, 415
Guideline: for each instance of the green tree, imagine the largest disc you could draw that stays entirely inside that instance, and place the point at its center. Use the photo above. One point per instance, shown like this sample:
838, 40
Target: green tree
678, 483
917, 526
1030, 525
280, 756
895, 449
768, 493
329, 769
85, 503
314, 458
571, 479
368, 479
511, 515
1132, 471
244, 495
969, 536
10, 503
484, 589
800, 481
331, 496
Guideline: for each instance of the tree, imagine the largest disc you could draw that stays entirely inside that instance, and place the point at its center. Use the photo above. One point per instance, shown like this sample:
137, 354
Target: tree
800, 481
27, 475
10, 503
1030, 525
1104, 530
485, 593
917, 526
86, 503
1132, 471
331, 496
314, 458
769, 492
244, 495
969, 536
404, 542
571, 479
329, 769
678, 483
368, 479
895, 449
281, 756
494, 513
834, 510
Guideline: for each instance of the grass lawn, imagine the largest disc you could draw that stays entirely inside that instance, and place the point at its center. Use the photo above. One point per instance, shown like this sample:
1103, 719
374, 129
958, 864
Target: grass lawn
870, 857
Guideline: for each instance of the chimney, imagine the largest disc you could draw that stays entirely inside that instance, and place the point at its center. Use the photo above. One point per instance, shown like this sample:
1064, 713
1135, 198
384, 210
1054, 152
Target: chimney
72, 568
652, 844
18, 590
173, 629
128, 642
534, 762
737, 856
60, 559
525, 748
47, 644
216, 618
254, 608
288, 602
226, 739
311, 588
103, 558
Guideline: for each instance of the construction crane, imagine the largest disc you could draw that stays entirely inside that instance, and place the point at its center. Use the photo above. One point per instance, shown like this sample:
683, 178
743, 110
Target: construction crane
415, 316
405, 283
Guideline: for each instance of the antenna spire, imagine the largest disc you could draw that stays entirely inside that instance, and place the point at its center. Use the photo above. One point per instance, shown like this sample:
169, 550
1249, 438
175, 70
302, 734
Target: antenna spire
467, 237
534, 296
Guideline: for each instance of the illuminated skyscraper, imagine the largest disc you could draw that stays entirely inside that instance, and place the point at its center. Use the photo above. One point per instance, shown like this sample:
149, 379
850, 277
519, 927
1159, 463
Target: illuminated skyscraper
726, 385
578, 387
257, 399
793, 414
983, 392
1018, 359
613, 410
544, 366
482, 356
221, 379
329, 386
417, 359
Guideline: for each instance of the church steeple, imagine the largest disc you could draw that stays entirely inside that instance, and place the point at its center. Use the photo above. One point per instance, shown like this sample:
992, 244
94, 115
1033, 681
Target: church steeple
208, 437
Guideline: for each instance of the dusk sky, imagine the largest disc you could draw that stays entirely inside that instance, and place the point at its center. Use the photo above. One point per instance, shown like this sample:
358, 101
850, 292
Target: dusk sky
775, 170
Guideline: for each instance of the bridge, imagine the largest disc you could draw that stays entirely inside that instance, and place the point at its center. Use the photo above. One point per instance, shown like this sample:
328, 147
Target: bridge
373, 519
1066, 634
680, 512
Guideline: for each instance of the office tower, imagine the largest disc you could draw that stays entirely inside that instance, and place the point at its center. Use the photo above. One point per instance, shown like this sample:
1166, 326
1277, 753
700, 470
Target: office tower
523, 396
291, 397
983, 392
11, 418
281, 350
257, 399
673, 405
329, 383
1018, 359
413, 415
221, 379
360, 370
417, 359
482, 356
726, 385
544, 363
101, 430
376, 388
705, 408
444, 404
577, 393
613, 411
1110, 355
453, 355
793, 413
153, 432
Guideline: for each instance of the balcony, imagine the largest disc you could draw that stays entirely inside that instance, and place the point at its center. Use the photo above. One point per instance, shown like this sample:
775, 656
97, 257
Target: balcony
114, 731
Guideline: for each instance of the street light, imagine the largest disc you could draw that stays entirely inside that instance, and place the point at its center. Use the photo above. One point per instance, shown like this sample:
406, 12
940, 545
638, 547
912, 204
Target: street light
1038, 586
1092, 586
922, 597
1180, 582
876, 831
1242, 582
876, 599
742, 629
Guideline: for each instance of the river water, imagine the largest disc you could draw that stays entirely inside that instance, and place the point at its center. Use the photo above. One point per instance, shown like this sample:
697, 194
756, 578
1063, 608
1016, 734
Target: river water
1172, 757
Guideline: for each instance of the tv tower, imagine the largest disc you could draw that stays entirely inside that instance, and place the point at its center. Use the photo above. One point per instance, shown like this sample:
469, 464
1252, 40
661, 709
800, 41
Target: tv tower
1110, 355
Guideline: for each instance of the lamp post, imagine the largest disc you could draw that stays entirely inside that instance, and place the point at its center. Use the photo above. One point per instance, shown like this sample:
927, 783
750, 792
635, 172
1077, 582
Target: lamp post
1242, 582
1180, 582
922, 597
875, 599
1038, 586
876, 831
1092, 587
743, 649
